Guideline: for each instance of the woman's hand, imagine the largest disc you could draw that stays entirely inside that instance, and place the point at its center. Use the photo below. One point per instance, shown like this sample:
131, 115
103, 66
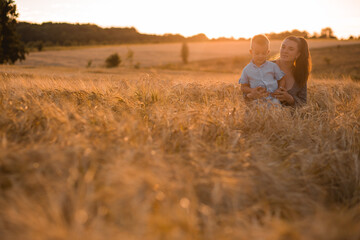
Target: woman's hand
256, 93
283, 96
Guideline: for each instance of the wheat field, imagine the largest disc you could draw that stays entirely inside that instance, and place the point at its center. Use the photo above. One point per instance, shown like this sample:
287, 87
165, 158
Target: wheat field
156, 154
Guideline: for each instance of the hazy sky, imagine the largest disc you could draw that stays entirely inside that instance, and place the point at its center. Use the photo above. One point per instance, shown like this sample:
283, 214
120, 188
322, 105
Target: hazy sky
227, 18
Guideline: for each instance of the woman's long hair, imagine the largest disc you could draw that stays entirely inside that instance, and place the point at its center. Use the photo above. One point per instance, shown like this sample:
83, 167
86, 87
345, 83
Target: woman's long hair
302, 64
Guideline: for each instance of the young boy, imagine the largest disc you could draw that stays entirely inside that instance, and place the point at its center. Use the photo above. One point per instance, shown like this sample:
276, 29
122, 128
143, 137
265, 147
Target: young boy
259, 72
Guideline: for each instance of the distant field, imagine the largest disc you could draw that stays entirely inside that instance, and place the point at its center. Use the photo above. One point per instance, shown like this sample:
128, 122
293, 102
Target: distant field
327, 62
337, 61
154, 54
157, 154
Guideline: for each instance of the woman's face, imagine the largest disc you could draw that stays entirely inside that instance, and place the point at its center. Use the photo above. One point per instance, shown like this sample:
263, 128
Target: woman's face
289, 50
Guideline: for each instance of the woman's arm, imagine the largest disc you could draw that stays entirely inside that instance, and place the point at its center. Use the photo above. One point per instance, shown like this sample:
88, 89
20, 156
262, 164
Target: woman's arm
301, 97
292, 99
283, 96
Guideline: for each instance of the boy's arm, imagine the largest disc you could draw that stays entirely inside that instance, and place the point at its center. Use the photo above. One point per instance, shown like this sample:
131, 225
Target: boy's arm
250, 93
244, 82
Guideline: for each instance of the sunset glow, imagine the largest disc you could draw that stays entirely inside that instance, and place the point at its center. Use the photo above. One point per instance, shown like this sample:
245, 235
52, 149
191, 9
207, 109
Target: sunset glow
227, 18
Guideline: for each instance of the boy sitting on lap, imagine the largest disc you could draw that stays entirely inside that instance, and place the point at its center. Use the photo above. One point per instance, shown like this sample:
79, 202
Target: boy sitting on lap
260, 72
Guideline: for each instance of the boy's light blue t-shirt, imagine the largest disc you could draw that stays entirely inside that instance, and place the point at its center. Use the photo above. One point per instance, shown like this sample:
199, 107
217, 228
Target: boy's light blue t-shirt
265, 76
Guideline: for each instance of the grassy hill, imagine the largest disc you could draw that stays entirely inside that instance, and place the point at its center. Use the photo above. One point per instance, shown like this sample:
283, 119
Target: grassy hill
157, 154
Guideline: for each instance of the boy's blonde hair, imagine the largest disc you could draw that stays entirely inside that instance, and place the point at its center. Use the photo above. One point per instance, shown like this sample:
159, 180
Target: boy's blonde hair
260, 39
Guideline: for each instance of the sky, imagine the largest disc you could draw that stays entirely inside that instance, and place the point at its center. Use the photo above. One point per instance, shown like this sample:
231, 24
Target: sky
220, 18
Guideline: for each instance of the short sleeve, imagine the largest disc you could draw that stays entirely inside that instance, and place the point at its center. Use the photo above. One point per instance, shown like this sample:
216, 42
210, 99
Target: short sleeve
244, 79
278, 73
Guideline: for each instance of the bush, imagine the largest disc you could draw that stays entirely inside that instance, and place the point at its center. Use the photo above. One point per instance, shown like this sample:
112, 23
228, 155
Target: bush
113, 60
137, 65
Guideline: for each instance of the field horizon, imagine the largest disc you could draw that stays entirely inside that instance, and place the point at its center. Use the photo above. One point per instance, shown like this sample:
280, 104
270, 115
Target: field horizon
155, 54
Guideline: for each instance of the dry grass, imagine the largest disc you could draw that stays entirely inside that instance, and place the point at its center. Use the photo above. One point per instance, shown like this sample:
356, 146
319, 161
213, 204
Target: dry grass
103, 156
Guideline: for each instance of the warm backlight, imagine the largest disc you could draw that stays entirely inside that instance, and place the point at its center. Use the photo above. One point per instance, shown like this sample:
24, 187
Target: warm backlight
214, 18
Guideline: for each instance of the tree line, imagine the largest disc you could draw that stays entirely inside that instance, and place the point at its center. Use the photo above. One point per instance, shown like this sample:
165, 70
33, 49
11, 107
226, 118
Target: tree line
325, 33
66, 34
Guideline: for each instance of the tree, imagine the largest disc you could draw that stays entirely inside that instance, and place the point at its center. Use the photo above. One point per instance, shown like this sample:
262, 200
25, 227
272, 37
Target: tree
11, 48
327, 33
184, 53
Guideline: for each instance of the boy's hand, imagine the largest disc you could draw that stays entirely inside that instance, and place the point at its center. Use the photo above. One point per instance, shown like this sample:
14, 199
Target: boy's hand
256, 93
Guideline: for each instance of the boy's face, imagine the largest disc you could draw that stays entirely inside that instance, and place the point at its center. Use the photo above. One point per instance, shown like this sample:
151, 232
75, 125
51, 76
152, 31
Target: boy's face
259, 53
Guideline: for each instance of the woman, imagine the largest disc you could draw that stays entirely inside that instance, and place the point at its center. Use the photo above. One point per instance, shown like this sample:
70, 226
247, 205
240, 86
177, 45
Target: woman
295, 62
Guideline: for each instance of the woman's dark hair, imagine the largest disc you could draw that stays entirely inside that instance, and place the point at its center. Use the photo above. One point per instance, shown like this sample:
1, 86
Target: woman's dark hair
302, 65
